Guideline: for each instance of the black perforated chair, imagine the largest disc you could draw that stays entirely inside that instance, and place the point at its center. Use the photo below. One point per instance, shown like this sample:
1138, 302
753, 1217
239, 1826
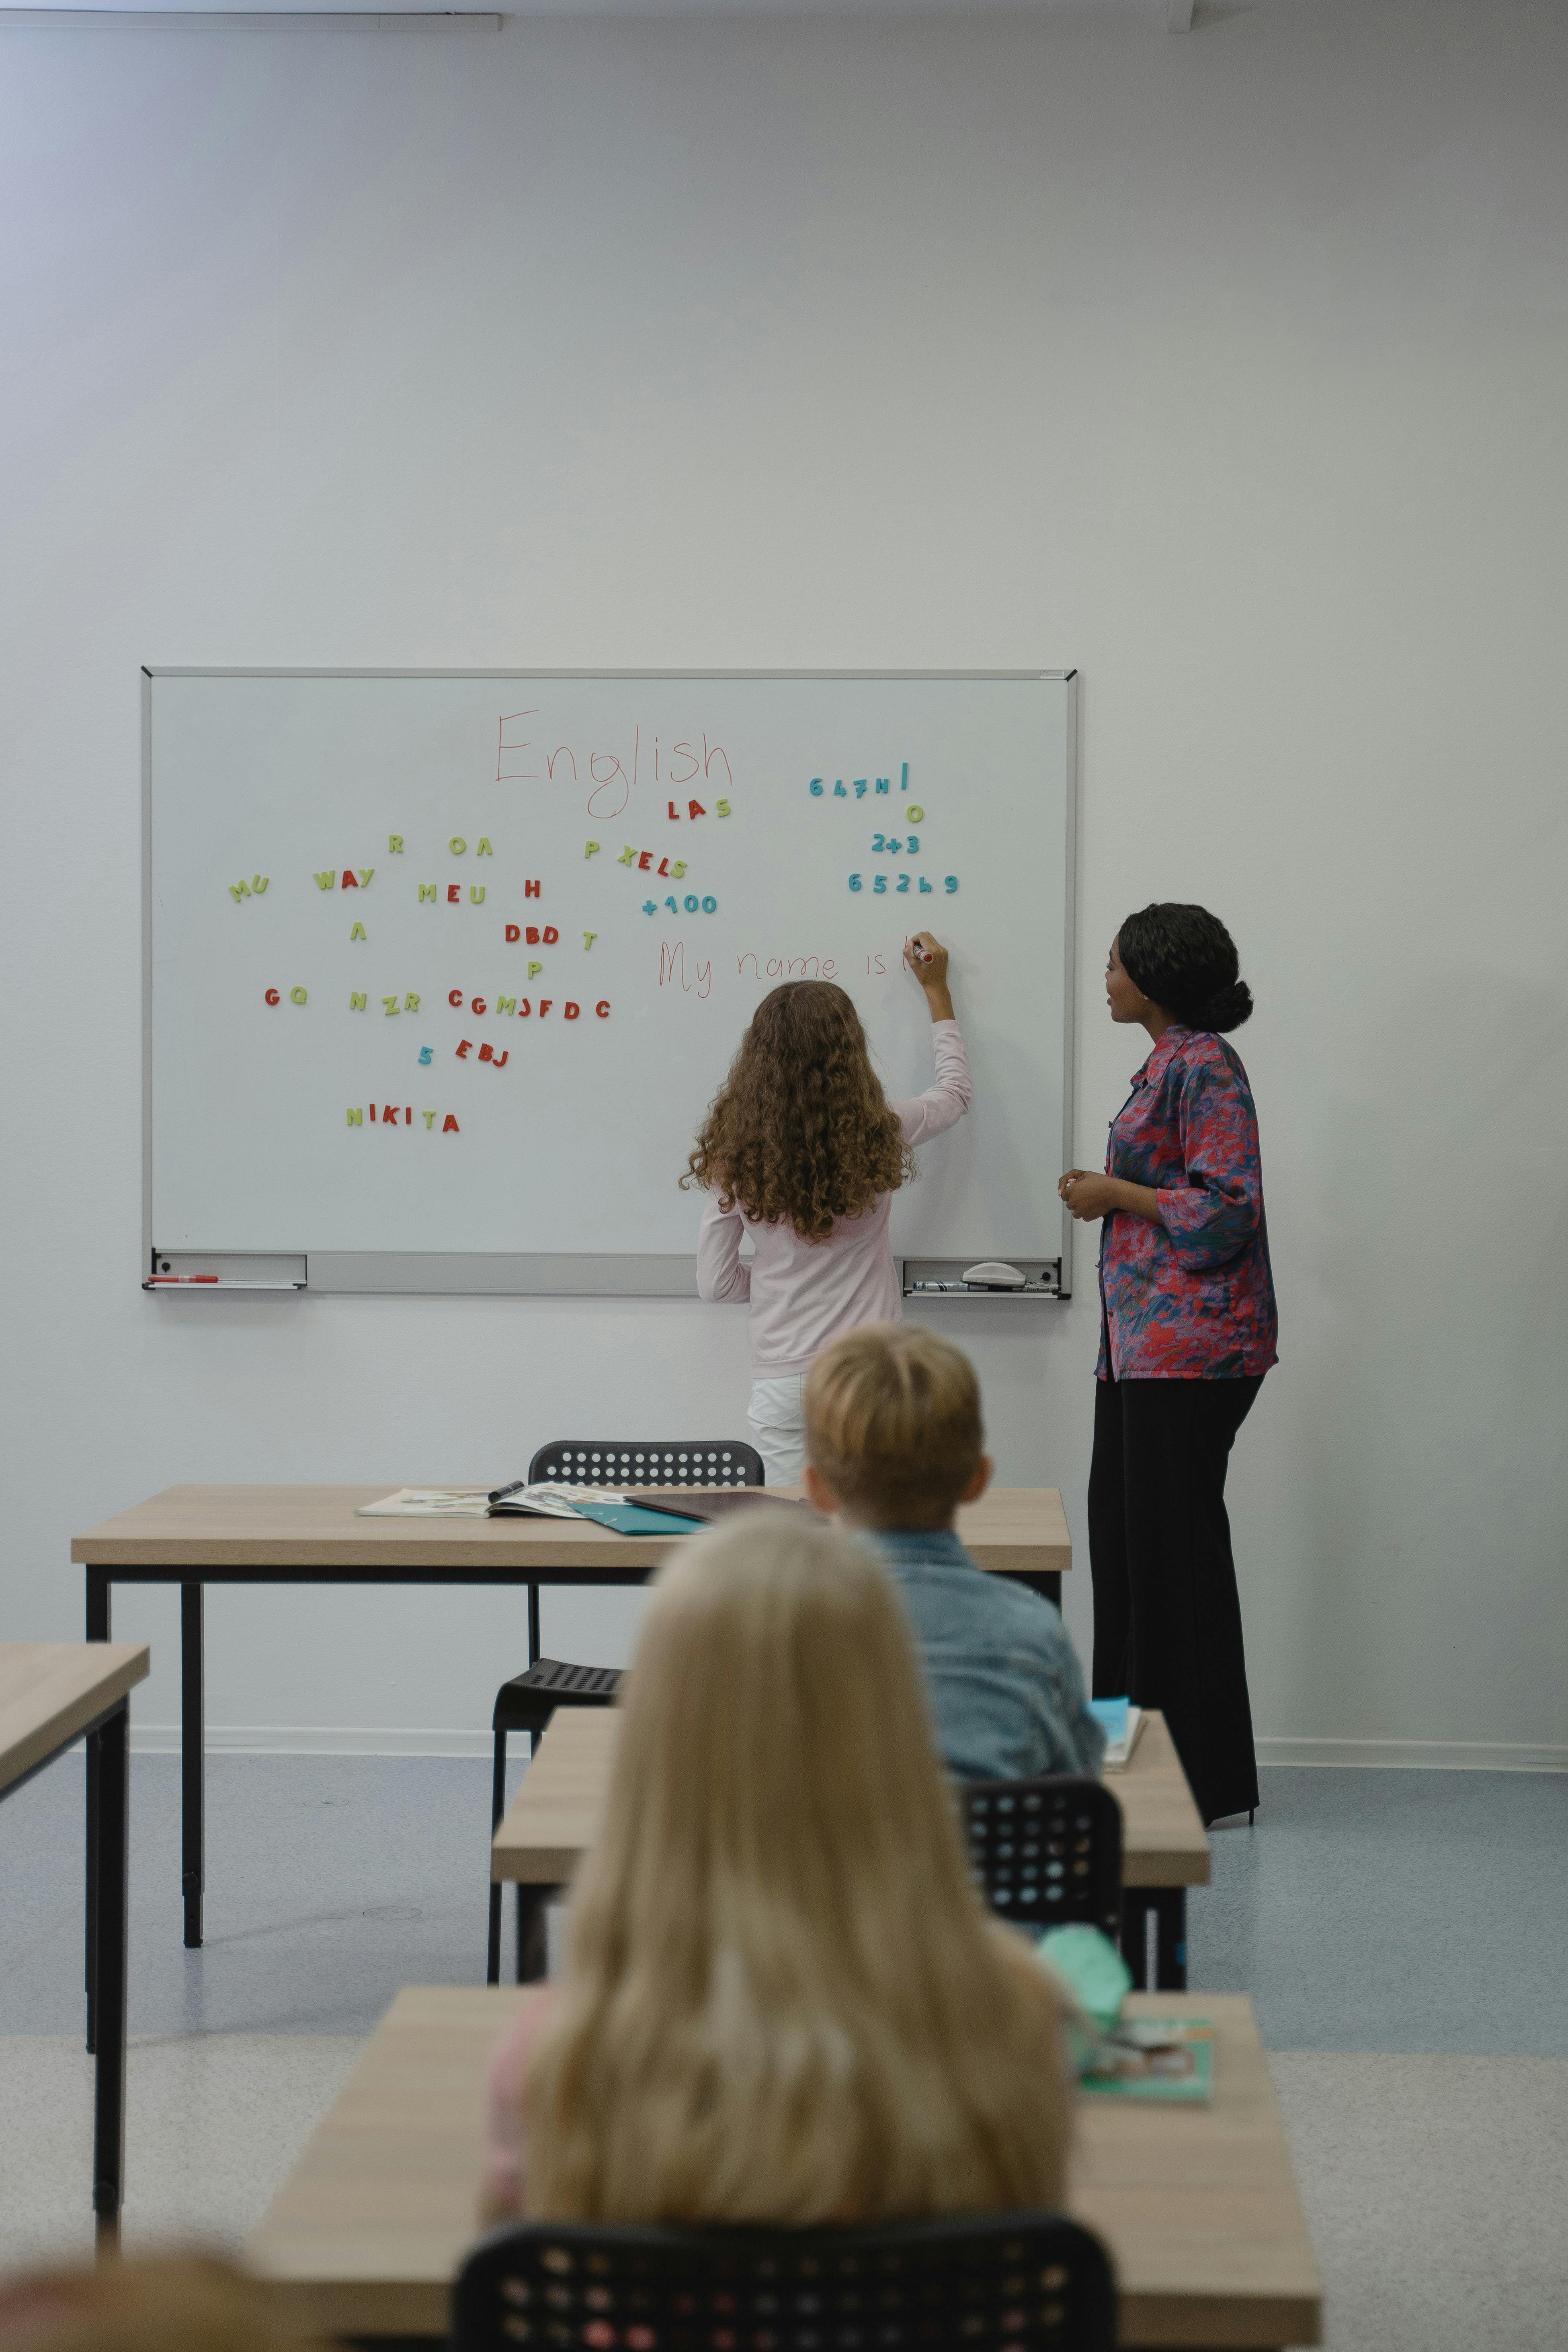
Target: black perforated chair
985, 2281
528, 1700
1047, 1852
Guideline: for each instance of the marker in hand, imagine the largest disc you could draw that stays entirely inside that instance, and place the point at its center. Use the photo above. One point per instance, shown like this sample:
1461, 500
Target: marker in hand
917, 954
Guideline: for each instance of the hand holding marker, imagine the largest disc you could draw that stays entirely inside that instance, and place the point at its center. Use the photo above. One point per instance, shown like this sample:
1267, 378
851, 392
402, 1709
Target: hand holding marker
927, 959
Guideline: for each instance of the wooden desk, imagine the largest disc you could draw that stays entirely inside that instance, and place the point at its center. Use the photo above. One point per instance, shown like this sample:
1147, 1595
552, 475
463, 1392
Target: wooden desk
52, 1694
551, 1821
197, 1535
1198, 2206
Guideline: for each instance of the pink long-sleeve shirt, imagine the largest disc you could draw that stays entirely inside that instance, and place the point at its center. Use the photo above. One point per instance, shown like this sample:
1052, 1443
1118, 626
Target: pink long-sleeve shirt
805, 1293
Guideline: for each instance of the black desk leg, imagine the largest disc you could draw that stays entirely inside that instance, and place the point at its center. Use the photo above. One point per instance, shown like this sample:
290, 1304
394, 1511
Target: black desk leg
1135, 1935
98, 1623
109, 2122
533, 1953
1170, 1908
534, 1625
192, 1742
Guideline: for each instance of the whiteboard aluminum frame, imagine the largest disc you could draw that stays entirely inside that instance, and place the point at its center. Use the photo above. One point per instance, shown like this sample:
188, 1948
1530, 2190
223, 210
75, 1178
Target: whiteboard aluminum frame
535, 1274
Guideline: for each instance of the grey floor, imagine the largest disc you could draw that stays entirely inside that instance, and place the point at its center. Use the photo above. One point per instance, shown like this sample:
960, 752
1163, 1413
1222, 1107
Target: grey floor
1401, 1934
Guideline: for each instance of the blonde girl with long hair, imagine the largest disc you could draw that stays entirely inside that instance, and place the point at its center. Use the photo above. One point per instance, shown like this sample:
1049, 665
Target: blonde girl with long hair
801, 1152
783, 1999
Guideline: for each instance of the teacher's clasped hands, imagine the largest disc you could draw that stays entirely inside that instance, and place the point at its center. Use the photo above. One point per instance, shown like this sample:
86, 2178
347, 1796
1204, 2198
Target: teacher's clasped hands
1187, 1330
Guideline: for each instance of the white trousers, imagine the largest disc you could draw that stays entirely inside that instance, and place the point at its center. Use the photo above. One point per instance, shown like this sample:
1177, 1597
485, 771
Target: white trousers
776, 1419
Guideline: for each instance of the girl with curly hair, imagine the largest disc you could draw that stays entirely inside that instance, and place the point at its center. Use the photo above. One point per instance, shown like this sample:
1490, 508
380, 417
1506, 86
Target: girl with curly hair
802, 1151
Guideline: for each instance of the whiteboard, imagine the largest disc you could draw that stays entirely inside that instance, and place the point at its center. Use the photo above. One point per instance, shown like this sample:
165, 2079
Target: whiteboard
530, 914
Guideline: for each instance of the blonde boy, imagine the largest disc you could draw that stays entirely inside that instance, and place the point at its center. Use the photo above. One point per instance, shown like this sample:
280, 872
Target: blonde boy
893, 1444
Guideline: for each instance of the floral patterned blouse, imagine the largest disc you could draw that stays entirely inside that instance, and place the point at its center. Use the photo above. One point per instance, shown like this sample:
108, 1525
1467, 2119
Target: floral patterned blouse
1191, 1298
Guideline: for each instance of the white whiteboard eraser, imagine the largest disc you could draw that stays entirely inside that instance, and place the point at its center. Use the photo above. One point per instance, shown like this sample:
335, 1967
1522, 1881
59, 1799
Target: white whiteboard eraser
992, 1275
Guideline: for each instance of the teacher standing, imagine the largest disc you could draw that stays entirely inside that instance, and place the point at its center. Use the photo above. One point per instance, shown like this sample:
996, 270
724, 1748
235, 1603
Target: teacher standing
1187, 1331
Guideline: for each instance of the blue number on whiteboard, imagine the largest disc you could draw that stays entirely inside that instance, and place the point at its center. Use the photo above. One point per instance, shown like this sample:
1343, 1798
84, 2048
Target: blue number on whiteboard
814, 788
671, 905
903, 882
877, 844
924, 884
951, 880
879, 882
913, 845
853, 881
709, 906
691, 906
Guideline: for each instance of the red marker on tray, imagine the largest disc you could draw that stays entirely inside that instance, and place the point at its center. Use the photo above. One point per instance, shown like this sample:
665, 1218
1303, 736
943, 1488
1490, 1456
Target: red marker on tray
160, 1280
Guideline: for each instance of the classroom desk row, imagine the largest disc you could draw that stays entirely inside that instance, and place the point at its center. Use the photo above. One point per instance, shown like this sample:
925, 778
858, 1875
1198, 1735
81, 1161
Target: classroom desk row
53, 1693
551, 1821
1197, 2206
197, 1535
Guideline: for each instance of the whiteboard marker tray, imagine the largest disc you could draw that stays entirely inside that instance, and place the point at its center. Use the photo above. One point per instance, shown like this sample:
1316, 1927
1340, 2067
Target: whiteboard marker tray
939, 1281
192, 1273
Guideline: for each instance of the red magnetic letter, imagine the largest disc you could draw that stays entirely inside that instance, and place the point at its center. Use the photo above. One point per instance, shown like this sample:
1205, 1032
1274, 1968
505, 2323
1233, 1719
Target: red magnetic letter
674, 811
272, 996
448, 1125
453, 892
602, 1007
544, 1004
551, 935
477, 1005
533, 935
463, 1049
523, 1009
512, 934
695, 808
571, 1013
349, 882
530, 889
646, 860
487, 1053
454, 996
501, 1060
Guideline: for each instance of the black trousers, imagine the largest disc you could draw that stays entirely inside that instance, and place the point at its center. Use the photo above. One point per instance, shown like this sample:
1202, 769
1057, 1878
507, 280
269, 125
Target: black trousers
1167, 1617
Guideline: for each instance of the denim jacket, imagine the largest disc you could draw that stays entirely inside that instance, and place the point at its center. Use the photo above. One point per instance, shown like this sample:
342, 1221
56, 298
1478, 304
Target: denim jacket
1006, 1693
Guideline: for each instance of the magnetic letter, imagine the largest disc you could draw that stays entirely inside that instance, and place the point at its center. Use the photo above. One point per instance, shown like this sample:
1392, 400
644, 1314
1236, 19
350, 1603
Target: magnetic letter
678, 868
463, 1049
477, 897
590, 848
484, 849
523, 1009
588, 939
394, 844
722, 808
530, 889
390, 1002
664, 865
501, 1059
271, 996
357, 933
627, 856
512, 935
532, 935
571, 1011
487, 1053
411, 1002
349, 882
506, 1004
428, 1116
674, 811
602, 1007
356, 1117
364, 874
296, 996
428, 890
356, 1001
695, 808
454, 892
533, 968
645, 861
454, 996
477, 1004
450, 1125
325, 881
544, 1004
883, 784
457, 844
239, 891
551, 935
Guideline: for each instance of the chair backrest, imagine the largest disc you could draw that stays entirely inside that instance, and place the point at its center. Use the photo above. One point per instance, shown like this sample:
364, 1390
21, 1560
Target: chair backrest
987, 2282
626, 1461
1047, 1852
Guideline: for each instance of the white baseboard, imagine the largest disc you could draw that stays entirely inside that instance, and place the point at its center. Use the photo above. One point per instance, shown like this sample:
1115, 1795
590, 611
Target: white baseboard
317, 1739
396, 1739
1421, 1755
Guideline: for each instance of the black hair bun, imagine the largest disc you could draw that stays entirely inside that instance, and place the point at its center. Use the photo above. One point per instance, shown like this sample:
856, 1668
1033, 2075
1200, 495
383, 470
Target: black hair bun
1227, 1008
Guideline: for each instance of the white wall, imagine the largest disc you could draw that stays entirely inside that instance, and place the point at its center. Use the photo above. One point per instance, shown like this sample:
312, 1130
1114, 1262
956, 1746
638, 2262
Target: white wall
1230, 368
